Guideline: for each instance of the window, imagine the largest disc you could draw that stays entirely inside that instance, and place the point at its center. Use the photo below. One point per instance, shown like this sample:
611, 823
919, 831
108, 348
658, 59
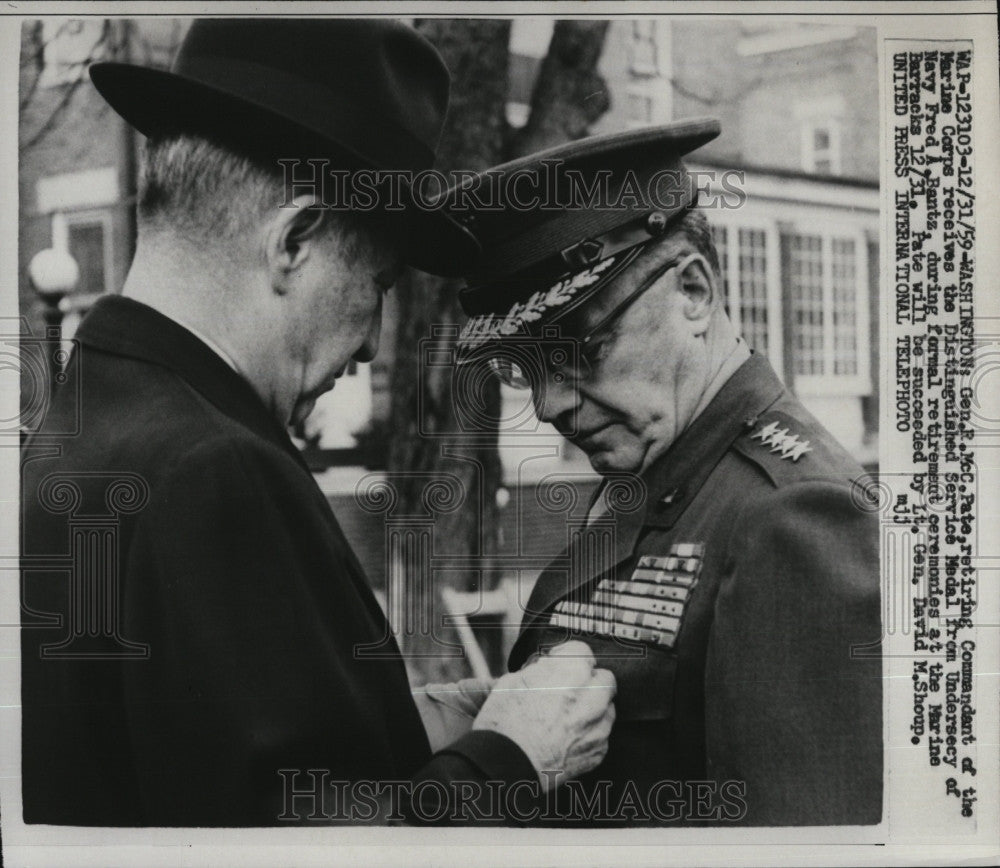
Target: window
825, 313
86, 246
845, 307
643, 60
821, 147
806, 266
753, 288
828, 304
87, 235
747, 284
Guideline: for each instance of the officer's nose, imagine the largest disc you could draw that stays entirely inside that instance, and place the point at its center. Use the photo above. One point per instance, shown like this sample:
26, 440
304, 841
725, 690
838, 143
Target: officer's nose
369, 347
556, 400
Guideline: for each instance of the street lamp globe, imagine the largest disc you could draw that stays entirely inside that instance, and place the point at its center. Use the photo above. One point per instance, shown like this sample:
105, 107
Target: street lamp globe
53, 274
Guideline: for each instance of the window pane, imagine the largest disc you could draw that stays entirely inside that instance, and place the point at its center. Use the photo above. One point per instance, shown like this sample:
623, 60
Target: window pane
806, 276
753, 288
720, 240
86, 246
845, 304
640, 107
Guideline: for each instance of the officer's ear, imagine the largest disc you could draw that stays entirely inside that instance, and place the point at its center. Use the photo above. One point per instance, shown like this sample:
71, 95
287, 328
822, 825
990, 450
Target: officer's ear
697, 282
290, 239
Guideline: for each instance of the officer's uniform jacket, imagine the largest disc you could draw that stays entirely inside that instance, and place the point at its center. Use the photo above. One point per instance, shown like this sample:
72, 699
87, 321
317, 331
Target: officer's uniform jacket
739, 609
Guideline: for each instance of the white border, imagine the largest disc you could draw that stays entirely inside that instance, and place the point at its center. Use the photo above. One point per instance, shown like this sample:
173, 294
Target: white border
48, 845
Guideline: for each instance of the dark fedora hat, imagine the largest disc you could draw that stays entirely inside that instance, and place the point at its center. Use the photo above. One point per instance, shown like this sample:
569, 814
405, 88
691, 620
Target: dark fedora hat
363, 93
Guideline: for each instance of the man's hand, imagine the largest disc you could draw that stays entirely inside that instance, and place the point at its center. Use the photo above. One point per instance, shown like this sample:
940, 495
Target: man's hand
558, 710
447, 710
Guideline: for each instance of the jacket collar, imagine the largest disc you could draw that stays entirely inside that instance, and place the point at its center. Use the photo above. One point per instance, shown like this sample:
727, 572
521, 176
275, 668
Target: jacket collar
126, 327
669, 484
674, 479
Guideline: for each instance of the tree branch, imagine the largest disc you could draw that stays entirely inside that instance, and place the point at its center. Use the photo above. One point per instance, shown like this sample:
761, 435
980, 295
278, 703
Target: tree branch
94, 54
569, 94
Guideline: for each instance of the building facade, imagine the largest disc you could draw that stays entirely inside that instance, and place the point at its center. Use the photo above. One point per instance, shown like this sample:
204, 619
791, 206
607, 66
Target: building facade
798, 105
799, 111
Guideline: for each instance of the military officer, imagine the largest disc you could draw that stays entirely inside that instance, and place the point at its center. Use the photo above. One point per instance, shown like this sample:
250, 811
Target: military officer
739, 608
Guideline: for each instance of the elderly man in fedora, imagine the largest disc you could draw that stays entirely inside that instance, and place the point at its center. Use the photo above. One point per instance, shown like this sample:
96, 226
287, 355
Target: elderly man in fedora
735, 593
198, 663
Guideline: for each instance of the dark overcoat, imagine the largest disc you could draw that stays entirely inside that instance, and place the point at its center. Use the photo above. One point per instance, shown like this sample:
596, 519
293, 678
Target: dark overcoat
192, 612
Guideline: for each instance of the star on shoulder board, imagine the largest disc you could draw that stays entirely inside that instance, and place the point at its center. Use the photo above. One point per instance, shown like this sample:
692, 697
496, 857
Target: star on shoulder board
780, 440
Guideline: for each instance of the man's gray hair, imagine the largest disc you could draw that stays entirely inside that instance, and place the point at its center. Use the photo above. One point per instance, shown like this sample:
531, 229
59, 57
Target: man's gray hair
695, 227
208, 193
196, 187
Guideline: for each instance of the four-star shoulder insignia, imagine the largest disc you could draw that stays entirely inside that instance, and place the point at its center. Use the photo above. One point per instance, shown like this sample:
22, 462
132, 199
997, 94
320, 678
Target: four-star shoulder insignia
782, 441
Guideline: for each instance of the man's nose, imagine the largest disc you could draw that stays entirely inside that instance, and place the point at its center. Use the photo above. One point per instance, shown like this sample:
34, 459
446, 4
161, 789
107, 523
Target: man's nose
555, 400
369, 347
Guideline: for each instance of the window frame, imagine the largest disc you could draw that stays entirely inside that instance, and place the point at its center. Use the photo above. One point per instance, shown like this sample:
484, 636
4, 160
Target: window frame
833, 152
62, 221
733, 223
828, 383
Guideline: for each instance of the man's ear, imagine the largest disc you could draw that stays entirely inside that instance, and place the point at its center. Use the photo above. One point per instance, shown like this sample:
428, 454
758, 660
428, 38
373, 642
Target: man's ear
698, 283
290, 237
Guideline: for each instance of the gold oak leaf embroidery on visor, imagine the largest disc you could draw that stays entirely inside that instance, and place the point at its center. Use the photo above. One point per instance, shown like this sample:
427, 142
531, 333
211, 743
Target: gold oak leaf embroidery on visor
480, 329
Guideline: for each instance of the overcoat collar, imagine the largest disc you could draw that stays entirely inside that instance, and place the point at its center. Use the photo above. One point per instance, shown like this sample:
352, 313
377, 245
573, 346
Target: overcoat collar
126, 327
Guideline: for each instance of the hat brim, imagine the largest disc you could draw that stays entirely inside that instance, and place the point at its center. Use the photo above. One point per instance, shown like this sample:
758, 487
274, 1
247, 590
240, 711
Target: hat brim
157, 101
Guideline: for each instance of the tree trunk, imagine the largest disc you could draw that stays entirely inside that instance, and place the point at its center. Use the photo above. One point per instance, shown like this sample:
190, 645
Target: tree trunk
569, 94
430, 418
427, 441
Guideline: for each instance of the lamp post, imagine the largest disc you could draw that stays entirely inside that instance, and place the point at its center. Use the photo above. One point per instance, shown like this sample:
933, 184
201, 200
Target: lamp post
53, 273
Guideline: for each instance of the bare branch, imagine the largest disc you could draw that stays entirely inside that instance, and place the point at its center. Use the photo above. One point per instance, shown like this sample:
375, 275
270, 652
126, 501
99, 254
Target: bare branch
94, 54
36, 58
